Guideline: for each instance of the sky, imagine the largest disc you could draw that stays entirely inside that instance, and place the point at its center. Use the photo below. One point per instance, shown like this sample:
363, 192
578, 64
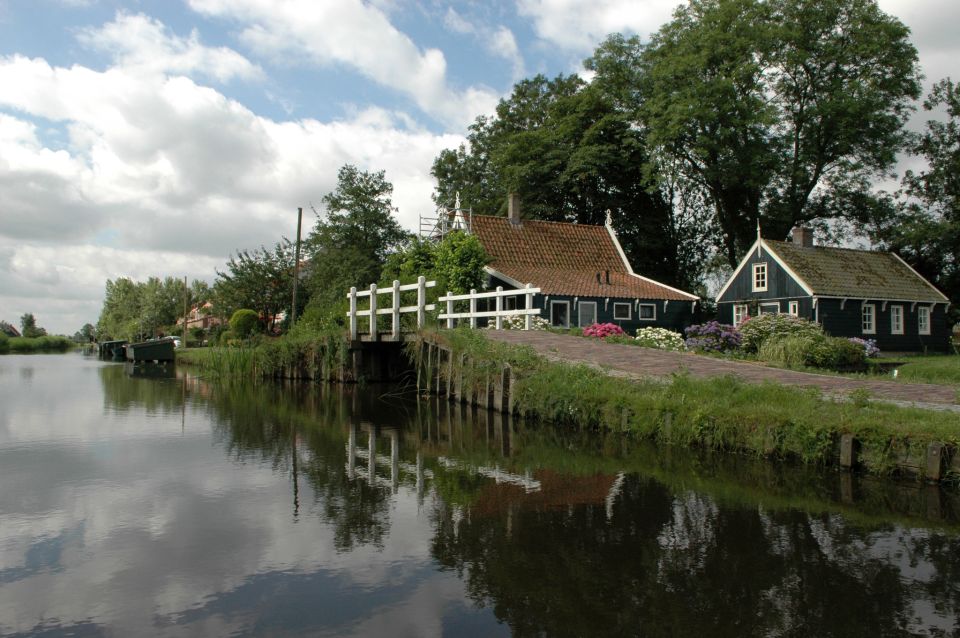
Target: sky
147, 138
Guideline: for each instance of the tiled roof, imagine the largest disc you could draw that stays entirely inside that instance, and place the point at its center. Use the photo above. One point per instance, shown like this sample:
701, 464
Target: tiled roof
858, 274
564, 259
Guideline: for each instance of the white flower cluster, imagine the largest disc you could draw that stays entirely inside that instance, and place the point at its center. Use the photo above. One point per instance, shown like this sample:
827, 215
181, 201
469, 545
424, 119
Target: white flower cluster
517, 322
659, 338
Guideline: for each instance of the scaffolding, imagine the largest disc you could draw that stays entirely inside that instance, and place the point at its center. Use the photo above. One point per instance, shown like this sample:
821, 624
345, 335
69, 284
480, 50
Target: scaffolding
446, 221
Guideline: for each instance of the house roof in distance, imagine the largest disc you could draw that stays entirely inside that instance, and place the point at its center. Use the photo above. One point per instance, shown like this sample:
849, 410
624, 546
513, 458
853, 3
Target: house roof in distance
857, 274
565, 259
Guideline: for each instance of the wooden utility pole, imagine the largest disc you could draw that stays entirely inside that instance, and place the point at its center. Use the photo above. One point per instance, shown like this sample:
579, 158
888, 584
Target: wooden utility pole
186, 293
296, 269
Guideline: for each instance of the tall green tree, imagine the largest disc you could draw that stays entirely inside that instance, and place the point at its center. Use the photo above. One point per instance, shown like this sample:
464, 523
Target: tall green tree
924, 226
780, 111
350, 244
261, 280
29, 327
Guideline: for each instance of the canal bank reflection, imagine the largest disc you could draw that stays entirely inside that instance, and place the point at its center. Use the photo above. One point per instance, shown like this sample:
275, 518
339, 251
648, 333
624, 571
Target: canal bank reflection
583, 533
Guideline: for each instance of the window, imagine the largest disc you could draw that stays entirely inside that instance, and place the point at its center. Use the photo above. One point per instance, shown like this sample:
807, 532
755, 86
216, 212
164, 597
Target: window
647, 312
794, 308
759, 277
896, 320
868, 315
560, 314
509, 303
621, 312
923, 320
769, 308
587, 313
740, 312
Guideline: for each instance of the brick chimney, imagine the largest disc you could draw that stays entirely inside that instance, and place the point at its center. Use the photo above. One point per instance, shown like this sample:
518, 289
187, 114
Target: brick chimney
803, 236
513, 208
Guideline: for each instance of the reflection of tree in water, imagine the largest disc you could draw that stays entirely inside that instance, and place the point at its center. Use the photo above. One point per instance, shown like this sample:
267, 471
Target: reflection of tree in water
679, 564
273, 423
152, 388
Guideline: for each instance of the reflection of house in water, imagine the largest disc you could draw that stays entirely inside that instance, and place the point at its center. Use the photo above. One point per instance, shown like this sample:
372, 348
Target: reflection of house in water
557, 491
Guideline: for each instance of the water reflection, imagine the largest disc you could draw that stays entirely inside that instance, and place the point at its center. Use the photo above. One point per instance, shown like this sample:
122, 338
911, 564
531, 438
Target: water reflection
155, 504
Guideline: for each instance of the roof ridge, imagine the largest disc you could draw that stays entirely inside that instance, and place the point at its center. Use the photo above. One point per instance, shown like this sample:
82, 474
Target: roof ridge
543, 221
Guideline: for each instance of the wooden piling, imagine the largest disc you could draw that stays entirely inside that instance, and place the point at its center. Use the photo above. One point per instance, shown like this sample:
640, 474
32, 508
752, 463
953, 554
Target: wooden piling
848, 451
934, 465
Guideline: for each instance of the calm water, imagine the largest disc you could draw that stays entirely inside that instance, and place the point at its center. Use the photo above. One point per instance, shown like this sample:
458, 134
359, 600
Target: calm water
142, 505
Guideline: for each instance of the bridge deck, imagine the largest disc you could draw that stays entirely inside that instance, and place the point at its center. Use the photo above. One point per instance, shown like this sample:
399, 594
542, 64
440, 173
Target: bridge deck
646, 362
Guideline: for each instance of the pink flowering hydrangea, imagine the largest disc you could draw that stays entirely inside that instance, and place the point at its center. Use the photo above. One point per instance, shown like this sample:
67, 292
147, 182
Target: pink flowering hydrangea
602, 330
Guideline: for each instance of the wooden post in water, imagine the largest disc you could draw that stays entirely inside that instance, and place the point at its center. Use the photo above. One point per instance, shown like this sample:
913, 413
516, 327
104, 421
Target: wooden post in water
848, 451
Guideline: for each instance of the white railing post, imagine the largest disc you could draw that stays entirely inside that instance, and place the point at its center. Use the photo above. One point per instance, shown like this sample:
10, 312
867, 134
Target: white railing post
395, 314
449, 310
499, 322
473, 308
353, 313
528, 305
373, 312
421, 301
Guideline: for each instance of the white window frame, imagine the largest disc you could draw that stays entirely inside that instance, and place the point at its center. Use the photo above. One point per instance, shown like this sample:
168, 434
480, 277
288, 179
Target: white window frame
872, 329
923, 320
775, 304
896, 311
640, 316
595, 310
557, 303
621, 304
741, 309
759, 268
794, 308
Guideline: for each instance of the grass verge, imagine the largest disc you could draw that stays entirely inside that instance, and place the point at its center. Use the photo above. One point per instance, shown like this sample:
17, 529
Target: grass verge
26, 345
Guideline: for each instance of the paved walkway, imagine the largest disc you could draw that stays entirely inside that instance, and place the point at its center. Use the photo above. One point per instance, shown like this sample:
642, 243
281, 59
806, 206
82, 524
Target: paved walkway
646, 362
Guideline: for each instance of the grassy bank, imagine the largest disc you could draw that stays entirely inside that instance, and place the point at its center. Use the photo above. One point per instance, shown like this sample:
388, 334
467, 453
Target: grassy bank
720, 413
26, 345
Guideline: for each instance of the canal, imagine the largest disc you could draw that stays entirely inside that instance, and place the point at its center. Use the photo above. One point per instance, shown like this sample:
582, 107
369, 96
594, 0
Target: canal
149, 502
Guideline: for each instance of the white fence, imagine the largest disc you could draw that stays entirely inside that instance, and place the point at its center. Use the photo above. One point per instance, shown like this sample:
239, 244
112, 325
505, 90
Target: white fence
421, 307
394, 310
499, 313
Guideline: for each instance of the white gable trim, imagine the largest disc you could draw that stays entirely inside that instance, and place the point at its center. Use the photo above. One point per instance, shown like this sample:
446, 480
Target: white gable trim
676, 290
499, 275
758, 245
921, 277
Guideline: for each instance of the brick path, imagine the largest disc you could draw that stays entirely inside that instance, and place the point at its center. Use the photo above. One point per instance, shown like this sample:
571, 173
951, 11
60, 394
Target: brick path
646, 362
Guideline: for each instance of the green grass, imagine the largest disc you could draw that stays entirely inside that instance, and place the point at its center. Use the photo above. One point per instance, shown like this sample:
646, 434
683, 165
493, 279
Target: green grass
939, 369
719, 413
24, 345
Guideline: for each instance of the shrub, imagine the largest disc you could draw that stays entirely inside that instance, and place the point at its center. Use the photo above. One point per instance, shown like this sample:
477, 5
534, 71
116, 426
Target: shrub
814, 351
870, 348
603, 330
712, 336
659, 338
756, 330
244, 322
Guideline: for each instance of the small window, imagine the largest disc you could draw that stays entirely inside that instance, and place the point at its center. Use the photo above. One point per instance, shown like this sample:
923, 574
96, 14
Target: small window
621, 312
740, 312
769, 309
923, 320
759, 277
560, 314
868, 324
509, 303
896, 320
794, 308
647, 312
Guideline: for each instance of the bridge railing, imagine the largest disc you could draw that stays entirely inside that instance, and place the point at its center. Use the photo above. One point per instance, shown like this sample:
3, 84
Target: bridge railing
394, 309
498, 314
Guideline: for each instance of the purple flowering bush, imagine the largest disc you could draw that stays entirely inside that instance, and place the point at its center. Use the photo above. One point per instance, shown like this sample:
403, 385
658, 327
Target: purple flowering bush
712, 336
869, 346
603, 330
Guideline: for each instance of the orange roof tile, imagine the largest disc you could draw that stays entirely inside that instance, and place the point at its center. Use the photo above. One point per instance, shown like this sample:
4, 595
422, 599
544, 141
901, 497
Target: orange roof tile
564, 259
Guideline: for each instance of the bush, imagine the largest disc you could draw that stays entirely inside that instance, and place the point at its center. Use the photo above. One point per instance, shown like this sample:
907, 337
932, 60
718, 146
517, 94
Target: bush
659, 338
603, 330
756, 330
244, 322
518, 322
814, 351
869, 346
712, 336
4, 342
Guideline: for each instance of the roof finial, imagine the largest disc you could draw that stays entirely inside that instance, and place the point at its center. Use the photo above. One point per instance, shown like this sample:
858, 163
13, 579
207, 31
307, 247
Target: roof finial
456, 202
758, 228
609, 222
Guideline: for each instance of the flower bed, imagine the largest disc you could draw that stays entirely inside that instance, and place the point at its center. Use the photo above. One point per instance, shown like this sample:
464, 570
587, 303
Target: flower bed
603, 330
660, 338
712, 336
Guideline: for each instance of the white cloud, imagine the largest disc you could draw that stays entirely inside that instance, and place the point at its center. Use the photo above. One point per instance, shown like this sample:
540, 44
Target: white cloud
497, 41
358, 35
577, 27
142, 43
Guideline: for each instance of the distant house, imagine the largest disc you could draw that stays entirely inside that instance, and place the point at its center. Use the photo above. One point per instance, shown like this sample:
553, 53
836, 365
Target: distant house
8, 329
581, 270
201, 317
851, 293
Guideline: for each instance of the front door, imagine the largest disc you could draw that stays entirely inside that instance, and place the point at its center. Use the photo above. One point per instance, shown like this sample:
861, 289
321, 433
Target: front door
588, 313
